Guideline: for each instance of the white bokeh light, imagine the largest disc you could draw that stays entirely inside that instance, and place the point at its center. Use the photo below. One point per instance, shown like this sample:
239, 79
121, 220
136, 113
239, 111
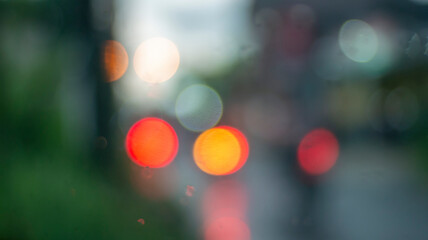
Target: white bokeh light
198, 107
156, 60
358, 40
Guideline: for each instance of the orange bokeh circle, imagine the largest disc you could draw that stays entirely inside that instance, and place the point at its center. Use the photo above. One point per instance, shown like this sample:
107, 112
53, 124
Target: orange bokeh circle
220, 151
151, 142
318, 151
243, 143
115, 60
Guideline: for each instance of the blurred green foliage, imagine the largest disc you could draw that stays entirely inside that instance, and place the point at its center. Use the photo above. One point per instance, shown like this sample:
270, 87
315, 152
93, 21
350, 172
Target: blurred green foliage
52, 184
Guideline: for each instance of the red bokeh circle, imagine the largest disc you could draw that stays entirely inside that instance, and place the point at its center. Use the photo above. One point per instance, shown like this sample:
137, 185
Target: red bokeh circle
151, 142
318, 151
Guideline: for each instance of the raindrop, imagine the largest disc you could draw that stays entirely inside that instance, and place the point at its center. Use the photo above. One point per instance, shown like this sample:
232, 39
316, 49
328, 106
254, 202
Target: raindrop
101, 142
190, 190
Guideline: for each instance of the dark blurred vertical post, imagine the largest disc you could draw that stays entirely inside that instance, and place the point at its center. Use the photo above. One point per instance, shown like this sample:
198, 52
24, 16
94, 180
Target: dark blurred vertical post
93, 21
101, 24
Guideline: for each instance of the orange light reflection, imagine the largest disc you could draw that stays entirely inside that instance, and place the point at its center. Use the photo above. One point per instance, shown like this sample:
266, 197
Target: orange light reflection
115, 60
217, 151
221, 150
243, 143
